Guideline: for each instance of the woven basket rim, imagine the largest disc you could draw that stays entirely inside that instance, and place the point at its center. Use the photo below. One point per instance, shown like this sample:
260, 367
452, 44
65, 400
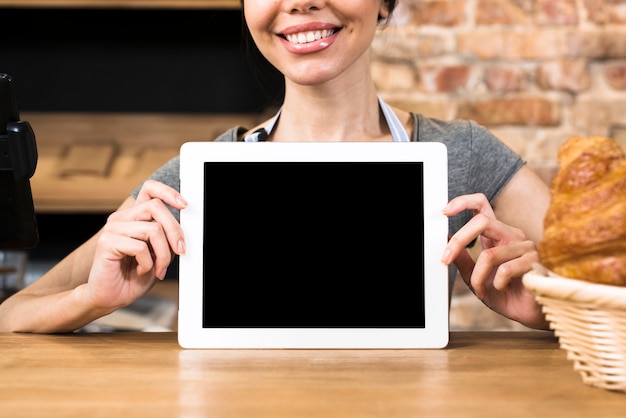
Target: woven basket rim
579, 291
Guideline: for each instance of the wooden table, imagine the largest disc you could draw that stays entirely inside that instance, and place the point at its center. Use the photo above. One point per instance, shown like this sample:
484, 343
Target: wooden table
480, 374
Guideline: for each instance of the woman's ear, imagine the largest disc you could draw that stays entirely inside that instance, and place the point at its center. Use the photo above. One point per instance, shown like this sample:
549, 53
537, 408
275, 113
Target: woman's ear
383, 12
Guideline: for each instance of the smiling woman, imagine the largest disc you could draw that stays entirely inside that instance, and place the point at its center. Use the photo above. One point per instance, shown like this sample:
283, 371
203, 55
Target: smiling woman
329, 96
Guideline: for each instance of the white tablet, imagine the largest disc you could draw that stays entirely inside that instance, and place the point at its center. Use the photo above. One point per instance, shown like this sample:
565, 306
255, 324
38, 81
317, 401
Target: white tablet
313, 245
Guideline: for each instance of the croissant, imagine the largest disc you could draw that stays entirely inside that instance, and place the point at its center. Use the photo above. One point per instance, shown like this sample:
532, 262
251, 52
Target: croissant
585, 224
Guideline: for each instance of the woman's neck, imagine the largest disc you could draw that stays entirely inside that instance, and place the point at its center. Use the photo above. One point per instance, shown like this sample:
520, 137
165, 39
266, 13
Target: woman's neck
331, 114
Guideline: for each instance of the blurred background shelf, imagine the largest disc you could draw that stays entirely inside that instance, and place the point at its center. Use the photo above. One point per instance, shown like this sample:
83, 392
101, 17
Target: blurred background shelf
89, 163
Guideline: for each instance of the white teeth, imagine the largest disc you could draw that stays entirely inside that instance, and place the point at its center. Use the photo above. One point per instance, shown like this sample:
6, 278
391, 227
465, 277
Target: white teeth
304, 37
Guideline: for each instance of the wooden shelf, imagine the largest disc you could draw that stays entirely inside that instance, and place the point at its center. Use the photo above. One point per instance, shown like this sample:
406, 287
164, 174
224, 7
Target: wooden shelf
136, 144
169, 4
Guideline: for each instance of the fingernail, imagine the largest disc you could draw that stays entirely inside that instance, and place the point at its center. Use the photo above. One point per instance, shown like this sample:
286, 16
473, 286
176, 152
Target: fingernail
181, 246
181, 201
446, 256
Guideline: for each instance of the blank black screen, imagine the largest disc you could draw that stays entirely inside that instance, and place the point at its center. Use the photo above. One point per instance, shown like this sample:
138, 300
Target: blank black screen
313, 244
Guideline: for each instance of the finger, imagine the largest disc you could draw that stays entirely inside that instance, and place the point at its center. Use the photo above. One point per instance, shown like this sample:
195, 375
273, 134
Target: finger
467, 234
152, 189
483, 216
150, 237
465, 265
508, 261
491, 231
159, 248
115, 247
154, 211
145, 211
514, 268
476, 202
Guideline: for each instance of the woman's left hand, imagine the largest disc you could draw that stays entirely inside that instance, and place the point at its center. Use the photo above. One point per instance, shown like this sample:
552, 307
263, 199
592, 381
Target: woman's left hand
495, 276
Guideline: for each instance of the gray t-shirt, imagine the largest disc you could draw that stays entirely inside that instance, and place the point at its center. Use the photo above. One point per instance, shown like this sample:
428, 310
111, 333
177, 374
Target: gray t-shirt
478, 162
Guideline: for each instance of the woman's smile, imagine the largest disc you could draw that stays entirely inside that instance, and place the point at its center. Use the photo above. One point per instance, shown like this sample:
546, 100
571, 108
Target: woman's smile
309, 40
310, 36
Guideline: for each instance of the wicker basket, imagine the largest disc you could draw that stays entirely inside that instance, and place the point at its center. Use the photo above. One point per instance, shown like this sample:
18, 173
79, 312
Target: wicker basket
590, 321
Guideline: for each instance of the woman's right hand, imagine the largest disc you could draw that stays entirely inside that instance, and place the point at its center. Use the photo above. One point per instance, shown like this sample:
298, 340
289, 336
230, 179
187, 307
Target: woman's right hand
135, 247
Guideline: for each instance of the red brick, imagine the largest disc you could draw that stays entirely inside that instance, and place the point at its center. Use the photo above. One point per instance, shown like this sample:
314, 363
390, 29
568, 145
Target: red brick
400, 45
596, 11
616, 76
512, 111
443, 79
615, 41
530, 44
482, 44
556, 12
609, 43
500, 12
505, 78
439, 12
568, 75
617, 11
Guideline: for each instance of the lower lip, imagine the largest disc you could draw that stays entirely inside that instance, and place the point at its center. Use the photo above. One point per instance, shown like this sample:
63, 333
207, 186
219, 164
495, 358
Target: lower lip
310, 47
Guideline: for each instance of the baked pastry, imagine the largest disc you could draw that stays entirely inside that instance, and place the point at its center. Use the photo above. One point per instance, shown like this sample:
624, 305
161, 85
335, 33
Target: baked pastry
585, 225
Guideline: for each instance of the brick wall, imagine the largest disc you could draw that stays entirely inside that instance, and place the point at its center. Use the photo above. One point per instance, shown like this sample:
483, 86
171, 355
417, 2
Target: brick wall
533, 71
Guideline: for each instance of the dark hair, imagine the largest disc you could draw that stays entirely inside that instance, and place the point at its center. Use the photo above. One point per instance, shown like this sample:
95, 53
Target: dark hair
269, 79
266, 74
391, 6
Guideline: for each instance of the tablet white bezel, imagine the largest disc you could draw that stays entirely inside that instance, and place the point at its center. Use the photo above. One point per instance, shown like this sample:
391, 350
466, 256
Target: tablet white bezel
191, 333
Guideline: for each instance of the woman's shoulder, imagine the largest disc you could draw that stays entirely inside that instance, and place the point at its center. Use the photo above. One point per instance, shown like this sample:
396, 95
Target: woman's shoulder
464, 138
428, 128
232, 135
